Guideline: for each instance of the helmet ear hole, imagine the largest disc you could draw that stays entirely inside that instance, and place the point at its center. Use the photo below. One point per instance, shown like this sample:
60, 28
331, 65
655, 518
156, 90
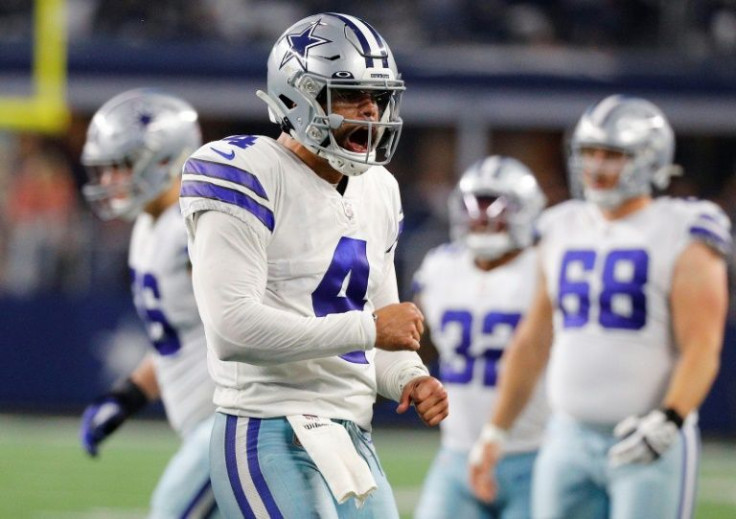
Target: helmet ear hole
285, 124
288, 103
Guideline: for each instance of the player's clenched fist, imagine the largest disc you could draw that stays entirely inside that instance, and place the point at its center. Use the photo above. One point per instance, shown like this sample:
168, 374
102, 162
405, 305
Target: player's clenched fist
429, 398
399, 327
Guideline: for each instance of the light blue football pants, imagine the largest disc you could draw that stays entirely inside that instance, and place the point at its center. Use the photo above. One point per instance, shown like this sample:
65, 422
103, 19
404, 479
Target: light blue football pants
184, 490
260, 471
446, 493
573, 479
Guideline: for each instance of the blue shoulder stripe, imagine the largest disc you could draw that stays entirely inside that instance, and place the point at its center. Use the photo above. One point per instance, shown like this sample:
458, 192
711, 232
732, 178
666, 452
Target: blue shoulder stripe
226, 172
191, 188
709, 217
723, 243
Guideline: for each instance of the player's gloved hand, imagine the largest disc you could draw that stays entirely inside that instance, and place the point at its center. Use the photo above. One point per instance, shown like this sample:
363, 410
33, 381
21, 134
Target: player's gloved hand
107, 412
643, 439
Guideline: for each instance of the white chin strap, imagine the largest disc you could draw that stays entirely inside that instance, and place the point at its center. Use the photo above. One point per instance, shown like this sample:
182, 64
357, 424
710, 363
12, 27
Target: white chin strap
604, 198
489, 246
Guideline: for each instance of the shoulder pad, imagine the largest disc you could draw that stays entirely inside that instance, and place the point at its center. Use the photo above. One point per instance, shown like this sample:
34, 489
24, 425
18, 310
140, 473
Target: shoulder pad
218, 177
708, 223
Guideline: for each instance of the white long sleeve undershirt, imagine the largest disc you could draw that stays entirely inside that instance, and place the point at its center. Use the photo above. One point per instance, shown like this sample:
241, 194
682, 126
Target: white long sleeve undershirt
229, 269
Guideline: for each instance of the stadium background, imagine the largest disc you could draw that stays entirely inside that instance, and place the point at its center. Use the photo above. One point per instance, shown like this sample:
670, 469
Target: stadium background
494, 76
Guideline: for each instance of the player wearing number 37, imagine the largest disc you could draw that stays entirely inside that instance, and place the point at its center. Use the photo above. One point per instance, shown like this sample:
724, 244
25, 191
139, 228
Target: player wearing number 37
474, 291
629, 310
292, 244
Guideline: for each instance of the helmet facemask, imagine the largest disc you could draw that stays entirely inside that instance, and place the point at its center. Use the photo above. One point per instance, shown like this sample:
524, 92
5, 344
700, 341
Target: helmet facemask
486, 218
137, 182
494, 207
366, 142
617, 172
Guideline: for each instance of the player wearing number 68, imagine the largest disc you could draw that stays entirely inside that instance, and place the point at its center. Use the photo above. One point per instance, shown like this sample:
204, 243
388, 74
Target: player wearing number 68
629, 310
292, 244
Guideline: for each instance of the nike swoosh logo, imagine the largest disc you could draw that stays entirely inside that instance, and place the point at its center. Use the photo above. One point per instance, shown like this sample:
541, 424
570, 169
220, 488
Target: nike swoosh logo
222, 154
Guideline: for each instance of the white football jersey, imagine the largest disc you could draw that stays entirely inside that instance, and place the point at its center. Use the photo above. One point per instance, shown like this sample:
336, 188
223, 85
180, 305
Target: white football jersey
610, 284
472, 315
163, 296
326, 253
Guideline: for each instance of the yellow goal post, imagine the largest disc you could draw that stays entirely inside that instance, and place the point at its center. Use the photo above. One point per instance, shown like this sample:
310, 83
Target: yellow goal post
45, 110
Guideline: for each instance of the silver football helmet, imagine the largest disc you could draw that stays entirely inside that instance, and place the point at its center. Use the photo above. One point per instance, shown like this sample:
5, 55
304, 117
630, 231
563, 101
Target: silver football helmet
328, 58
634, 127
145, 136
494, 207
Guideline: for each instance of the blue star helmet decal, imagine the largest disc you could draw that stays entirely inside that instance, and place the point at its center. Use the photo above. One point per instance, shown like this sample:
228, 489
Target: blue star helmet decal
301, 43
145, 118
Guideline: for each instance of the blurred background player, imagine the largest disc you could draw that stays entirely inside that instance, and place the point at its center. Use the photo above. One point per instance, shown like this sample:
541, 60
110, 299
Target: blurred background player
636, 287
292, 244
136, 145
473, 293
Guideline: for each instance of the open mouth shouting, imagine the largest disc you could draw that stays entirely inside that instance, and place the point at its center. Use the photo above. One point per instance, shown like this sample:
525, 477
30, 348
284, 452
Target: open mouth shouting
358, 139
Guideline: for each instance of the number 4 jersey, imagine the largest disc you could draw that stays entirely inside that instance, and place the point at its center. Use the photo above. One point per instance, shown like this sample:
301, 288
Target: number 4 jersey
472, 315
326, 255
610, 283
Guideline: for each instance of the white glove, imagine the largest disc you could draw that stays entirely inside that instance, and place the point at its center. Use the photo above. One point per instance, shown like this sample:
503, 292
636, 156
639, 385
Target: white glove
643, 439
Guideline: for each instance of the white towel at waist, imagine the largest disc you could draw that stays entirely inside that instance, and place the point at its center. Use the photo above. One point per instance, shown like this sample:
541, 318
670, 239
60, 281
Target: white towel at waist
330, 447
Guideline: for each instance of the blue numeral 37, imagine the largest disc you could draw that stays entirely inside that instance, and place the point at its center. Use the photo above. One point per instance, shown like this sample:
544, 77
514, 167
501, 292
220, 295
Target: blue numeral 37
625, 274
452, 373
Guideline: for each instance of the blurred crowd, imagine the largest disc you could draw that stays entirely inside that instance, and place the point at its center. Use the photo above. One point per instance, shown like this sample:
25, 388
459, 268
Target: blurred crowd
49, 241
701, 27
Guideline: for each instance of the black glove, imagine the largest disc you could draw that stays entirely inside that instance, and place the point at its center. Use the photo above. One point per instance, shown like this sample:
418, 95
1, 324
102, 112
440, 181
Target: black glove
107, 412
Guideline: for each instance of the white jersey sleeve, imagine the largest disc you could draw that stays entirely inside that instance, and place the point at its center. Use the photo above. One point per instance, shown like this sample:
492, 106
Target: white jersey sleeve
227, 253
394, 369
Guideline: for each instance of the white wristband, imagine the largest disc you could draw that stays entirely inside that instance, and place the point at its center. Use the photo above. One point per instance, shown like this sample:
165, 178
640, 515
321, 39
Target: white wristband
489, 434
493, 434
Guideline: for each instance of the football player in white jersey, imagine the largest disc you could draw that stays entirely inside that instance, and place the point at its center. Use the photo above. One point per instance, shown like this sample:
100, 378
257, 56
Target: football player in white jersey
473, 292
630, 311
136, 145
292, 244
